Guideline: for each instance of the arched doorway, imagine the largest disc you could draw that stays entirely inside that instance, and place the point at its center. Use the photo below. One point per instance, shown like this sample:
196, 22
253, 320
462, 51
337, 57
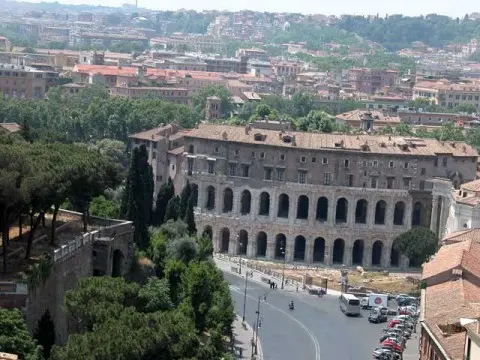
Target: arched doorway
380, 211
264, 204
210, 203
399, 213
299, 248
117, 263
338, 250
417, 214
227, 200
377, 253
302, 207
394, 257
280, 244
319, 250
357, 252
361, 211
261, 244
242, 244
341, 212
322, 209
245, 202
225, 240
207, 232
283, 206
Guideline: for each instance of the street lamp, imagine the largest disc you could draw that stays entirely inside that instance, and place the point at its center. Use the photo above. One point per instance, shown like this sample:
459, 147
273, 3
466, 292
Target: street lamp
245, 296
284, 253
240, 246
257, 326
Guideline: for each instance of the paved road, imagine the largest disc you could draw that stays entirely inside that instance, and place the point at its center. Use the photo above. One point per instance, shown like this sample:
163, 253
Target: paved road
315, 330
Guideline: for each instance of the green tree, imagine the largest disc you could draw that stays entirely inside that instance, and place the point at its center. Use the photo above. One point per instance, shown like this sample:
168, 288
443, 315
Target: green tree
183, 248
418, 244
200, 99
205, 248
184, 198
14, 336
190, 216
104, 208
173, 207
263, 111
155, 295
45, 333
165, 193
174, 270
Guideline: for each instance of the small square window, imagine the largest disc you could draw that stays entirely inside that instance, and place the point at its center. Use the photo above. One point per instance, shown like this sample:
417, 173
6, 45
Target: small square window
375, 163
252, 154
282, 157
236, 152
314, 159
391, 164
303, 159
324, 161
262, 155
405, 165
216, 150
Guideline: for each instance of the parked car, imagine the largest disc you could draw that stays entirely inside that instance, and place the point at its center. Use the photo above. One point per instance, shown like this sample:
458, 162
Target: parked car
378, 315
380, 352
391, 311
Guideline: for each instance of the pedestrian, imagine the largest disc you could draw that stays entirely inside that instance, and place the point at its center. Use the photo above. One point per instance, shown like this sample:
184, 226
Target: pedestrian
297, 287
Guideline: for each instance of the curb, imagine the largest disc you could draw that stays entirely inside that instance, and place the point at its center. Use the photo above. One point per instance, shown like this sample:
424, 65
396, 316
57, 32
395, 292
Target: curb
259, 342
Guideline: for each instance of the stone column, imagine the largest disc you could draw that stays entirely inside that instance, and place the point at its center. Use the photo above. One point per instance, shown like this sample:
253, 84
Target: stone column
216, 238
252, 246
348, 253
386, 251
270, 248
289, 248
311, 209
309, 250
434, 217
201, 196
332, 202
367, 255
253, 205
407, 220
218, 200
236, 203
443, 217
351, 212
292, 208
371, 213
328, 259
273, 205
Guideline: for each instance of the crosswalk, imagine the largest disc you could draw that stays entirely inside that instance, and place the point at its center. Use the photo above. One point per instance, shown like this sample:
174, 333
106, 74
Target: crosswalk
234, 288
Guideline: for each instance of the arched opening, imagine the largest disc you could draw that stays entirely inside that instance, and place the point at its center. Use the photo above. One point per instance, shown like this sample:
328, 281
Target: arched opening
299, 248
242, 244
194, 194
394, 257
417, 214
380, 210
322, 209
207, 232
225, 240
377, 253
338, 250
361, 211
280, 243
283, 206
210, 203
245, 202
357, 252
341, 212
319, 250
302, 207
264, 204
117, 263
399, 213
227, 200
261, 244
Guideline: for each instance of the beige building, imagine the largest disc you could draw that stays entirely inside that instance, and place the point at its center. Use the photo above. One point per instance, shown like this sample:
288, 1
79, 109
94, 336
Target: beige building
22, 82
448, 94
266, 191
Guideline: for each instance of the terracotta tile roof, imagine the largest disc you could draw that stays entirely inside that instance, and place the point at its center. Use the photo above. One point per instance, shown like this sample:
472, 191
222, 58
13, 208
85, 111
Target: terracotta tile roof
462, 235
11, 127
472, 186
316, 141
157, 133
177, 151
379, 117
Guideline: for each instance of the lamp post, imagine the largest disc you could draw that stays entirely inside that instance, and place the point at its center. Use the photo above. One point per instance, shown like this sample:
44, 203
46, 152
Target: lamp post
245, 296
284, 253
240, 246
257, 326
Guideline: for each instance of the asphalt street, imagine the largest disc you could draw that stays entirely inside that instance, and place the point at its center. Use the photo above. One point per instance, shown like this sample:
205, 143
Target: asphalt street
315, 330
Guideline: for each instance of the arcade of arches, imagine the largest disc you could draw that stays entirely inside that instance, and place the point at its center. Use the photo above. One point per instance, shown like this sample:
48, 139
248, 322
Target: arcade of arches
304, 249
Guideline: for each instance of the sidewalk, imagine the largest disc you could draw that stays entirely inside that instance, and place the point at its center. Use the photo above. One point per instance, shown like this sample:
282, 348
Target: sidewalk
232, 264
243, 336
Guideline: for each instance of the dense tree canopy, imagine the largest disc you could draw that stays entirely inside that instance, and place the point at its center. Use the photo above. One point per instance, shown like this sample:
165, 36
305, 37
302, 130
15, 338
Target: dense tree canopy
418, 244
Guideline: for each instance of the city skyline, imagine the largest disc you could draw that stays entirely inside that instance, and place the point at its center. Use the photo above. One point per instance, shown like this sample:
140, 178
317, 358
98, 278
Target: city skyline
407, 7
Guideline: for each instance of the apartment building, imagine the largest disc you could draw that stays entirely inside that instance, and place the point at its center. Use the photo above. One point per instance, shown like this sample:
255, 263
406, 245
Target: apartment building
176, 95
200, 43
285, 69
415, 117
450, 309
5, 44
448, 94
22, 82
368, 120
253, 54
369, 81
325, 198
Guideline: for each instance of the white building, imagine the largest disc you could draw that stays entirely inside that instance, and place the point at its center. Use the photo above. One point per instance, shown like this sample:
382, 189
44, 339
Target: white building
464, 208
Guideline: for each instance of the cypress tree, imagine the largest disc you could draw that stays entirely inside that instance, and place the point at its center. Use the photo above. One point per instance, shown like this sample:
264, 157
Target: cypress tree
190, 217
45, 333
184, 199
126, 208
171, 212
165, 193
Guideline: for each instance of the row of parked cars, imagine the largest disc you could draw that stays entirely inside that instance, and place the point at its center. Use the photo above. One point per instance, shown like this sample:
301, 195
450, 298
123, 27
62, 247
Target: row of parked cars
399, 329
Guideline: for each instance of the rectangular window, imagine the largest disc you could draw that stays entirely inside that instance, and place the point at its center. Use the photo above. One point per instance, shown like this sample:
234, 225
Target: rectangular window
406, 183
314, 159
391, 164
435, 162
232, 169
346, 162
262, 155
444, 162
327, 178
190, 166
245, 170
302, 177
390, 182
216, 150
268, 174
211, 167
375, 163
236, 152
364, 163
405, 165
349, 180
373, 182
324, 161
423, 171
252, 154
422, 185
303, 159
281, 174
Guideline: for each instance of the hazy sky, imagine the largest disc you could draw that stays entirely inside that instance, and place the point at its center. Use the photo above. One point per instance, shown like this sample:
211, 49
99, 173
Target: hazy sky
337, 7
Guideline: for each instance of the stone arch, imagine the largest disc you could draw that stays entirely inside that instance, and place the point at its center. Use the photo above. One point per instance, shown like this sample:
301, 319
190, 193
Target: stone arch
418, 214
357, 252
399, 213
283, 206
264, 208
380, 212
322, 209
338, 251
302, 207
394, 257
377, 249
242, 243
245, 202
194, 194
319, 250
299, 248
361, 210
280, 246
210, 201
117, 263
224, 240
207, 232
227, 200
261, 244
341, 212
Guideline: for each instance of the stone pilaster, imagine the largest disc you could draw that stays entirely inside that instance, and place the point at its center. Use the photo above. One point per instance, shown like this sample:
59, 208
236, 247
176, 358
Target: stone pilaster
309, 250
367, 255
434, 218
328, 259
270, 249
386, 251
347, 254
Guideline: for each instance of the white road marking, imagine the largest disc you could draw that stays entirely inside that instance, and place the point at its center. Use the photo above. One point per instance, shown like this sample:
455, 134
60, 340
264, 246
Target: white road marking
306, 329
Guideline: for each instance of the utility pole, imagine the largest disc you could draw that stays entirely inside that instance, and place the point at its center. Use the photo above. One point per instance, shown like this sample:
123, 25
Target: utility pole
245, 296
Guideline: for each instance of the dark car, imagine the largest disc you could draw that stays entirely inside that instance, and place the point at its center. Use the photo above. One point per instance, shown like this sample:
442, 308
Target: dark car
378, 315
